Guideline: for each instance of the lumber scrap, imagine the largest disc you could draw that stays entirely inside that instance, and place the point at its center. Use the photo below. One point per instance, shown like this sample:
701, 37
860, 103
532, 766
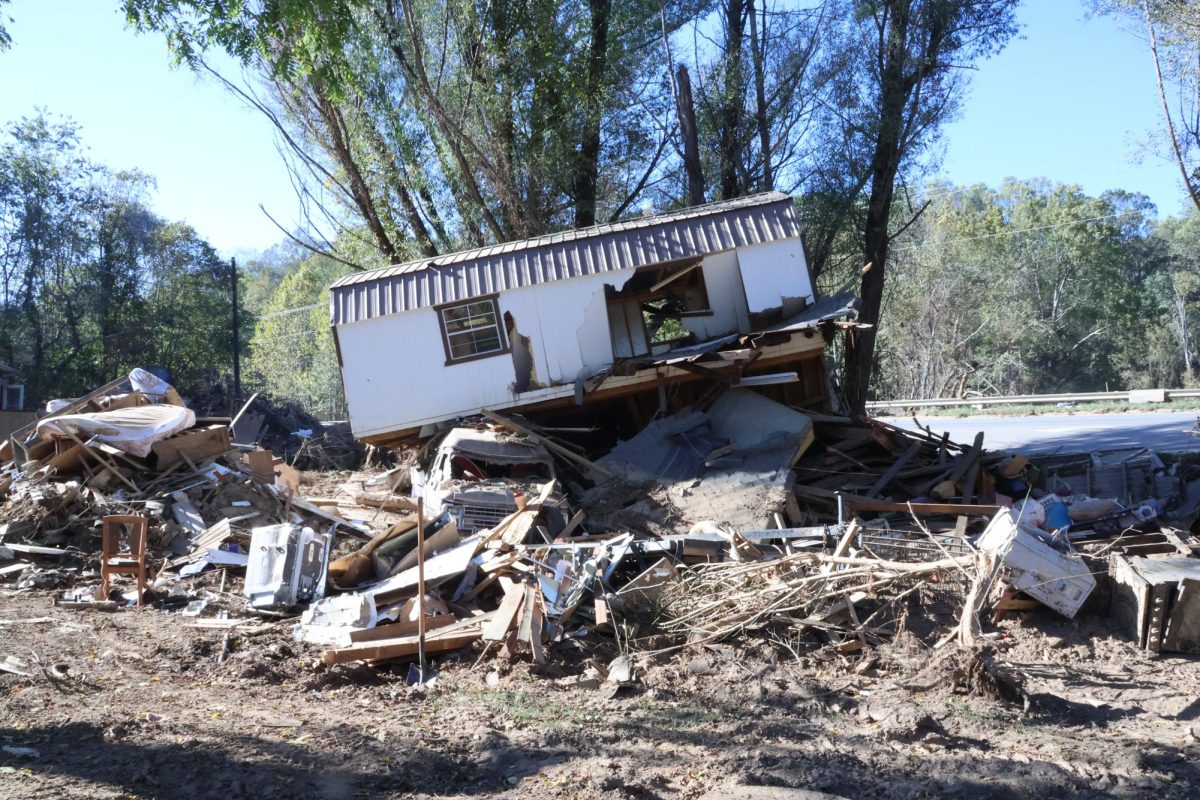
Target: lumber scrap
499, 626
894, 470
449, 637
553, 447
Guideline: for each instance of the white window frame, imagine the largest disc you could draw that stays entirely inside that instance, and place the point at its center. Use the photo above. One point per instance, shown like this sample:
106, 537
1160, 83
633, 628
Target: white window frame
497, 323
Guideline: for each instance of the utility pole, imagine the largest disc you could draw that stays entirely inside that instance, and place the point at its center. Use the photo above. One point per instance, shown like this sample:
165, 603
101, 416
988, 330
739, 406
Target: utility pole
237, 356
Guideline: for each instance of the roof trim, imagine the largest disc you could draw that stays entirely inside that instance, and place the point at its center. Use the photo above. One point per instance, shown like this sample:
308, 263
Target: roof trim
690, 232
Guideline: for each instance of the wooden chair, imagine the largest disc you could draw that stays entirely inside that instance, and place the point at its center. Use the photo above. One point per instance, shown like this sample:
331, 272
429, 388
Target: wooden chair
114, 560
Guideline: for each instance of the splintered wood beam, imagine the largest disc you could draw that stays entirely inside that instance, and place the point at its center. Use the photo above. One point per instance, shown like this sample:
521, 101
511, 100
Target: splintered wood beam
700, 369
673, 276
106, 461
545, 442
893, 470
952, 509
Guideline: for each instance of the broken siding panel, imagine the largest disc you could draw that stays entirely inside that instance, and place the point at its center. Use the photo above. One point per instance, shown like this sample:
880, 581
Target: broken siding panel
771, 272
726, 299
595, 346
555, 316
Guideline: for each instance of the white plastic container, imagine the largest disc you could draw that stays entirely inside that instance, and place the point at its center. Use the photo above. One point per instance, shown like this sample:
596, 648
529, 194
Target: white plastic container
286, 567
1058, 580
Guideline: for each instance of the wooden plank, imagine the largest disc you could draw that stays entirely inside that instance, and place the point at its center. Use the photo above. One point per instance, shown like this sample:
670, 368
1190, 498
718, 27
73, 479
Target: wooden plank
398, 629
384, 502
518, 530
894, 470
952, 509
843, 544
536, 627
510, 606
211, 537
576, 521
1183, 626
523, 630
317, 511
549, 445
1131, 598
404, 647
103, 459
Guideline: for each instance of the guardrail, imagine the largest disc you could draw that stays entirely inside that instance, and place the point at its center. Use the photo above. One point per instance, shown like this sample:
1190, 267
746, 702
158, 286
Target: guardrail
1134, 396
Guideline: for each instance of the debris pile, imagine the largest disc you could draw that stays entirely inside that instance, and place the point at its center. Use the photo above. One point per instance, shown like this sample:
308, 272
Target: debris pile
739, 517
131, 448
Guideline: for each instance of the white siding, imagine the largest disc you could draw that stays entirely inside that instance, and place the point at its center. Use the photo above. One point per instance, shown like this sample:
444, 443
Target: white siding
394, 367
773, 271
723, 282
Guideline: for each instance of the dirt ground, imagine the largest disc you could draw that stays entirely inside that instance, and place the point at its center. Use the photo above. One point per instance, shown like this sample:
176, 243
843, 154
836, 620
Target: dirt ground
137, 704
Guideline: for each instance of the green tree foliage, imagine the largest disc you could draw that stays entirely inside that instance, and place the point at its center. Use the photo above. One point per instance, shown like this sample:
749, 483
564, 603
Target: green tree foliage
293, 355
1037, 287
443, 123
892, 100
93, 283
5, 36
1171, 30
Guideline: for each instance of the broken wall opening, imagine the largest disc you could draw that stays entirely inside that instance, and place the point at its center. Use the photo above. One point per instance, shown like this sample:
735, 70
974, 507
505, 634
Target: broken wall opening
521, 348
645, 315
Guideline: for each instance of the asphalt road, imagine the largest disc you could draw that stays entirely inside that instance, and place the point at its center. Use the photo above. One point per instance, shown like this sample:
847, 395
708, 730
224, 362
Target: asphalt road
1070, 433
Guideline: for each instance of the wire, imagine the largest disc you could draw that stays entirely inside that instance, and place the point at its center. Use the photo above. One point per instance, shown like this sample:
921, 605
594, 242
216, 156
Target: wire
292, 310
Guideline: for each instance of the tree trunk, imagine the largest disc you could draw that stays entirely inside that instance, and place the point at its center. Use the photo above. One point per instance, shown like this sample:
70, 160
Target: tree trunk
691, 144
758, 49
587, 165
895, 87
730, 114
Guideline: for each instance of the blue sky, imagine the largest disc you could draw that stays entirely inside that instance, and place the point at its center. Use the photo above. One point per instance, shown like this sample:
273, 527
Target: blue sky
1073, 101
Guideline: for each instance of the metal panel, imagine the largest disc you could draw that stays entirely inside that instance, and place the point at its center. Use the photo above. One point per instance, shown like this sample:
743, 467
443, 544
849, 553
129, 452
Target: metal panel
640, 242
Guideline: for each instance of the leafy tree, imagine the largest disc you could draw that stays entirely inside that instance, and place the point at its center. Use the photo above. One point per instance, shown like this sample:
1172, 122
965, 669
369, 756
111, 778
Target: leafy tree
5, 36
92, 282
292, 352
1172, 35
893, 100
1029, 287
442, 123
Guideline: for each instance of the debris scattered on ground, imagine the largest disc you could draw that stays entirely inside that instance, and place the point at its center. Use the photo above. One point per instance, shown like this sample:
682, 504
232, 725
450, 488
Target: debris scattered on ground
826, 539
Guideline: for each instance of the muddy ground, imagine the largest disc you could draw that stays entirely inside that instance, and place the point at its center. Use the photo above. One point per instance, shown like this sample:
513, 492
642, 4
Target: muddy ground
135, 704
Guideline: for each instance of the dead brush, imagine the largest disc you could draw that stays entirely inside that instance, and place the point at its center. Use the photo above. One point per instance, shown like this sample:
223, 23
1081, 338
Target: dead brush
804, 590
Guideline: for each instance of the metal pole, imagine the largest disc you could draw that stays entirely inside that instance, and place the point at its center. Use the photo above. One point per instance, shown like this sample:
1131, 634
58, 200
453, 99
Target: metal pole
237, 356
421, 586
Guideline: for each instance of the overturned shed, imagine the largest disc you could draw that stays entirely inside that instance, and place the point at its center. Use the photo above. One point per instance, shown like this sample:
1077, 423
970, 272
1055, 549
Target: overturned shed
618, 312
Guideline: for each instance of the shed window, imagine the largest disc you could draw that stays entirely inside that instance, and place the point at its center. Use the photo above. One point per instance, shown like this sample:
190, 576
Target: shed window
471, 330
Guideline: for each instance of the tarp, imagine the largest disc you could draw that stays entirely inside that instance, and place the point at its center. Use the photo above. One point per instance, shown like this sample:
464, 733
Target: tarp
133, 430
755, 441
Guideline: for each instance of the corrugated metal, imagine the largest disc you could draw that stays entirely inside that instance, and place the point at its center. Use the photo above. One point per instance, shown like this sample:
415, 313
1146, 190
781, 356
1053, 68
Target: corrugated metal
571, 254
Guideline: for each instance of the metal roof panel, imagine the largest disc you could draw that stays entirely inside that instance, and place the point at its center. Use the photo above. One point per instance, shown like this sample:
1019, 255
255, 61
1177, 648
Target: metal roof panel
695, 231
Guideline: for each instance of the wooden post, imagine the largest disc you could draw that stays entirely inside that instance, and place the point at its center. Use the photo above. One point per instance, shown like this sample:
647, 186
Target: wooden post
421, 587
237, 344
